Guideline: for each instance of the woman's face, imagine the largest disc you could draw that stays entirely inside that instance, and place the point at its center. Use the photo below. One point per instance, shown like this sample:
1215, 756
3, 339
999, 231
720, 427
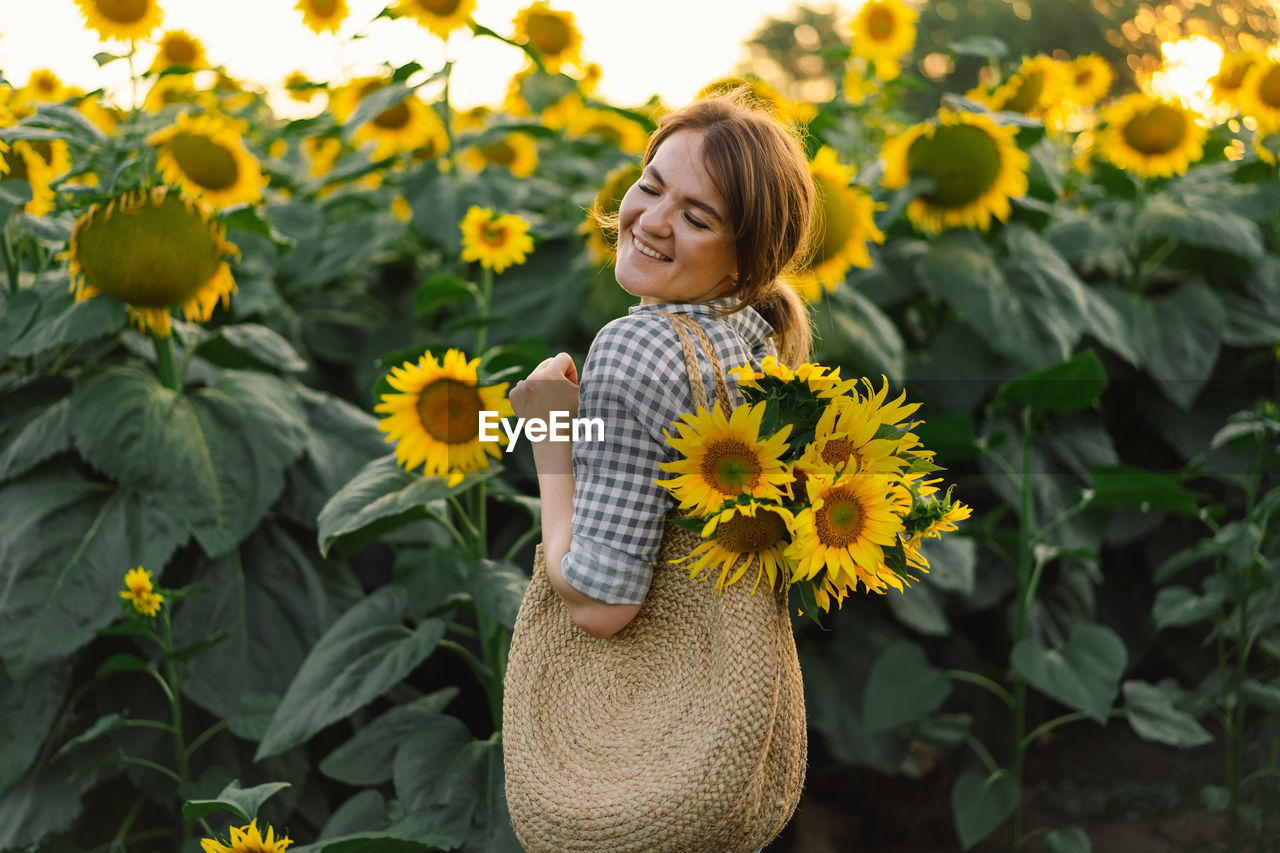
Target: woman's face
675, 240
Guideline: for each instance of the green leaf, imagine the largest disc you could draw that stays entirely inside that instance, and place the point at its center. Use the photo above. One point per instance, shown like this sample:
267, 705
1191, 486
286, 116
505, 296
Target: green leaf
441, 289
952, 563
1215, 798
1189, 556
366, 652
866, 340
46, 801
27, 713
62, 321
1064, 387
20, 309
1069, 839
106, 723
540, 89
497, 589
1264, 695
984, 47
242, 802
366, 843
919, 609
367, 758
214, 455
980, 803
436, 778
1083, 674
65, 546
45, 434
1177, 606
373, 105
1152, 712
1209, 227
382, 497
901, 688
250, 346
1124, 485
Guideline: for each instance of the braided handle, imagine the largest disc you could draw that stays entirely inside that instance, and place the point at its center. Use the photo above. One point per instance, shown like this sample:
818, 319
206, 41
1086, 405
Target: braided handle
697, 389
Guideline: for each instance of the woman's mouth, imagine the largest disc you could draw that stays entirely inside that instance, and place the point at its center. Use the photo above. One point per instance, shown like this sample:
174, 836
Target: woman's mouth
647, 251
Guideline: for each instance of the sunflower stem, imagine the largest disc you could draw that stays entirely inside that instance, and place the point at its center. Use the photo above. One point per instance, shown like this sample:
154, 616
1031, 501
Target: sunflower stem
447, 116
175, 703
1025, 526
10, 260
482, 306
164, 361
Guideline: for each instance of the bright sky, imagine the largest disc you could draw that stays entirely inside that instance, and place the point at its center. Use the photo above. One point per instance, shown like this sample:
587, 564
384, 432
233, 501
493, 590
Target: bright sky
668, 47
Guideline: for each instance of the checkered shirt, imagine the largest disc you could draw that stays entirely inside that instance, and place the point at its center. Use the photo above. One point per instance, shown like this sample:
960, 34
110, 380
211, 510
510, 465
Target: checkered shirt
635, 380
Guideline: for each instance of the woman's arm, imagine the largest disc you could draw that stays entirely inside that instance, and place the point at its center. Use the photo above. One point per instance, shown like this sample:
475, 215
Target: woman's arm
552, 386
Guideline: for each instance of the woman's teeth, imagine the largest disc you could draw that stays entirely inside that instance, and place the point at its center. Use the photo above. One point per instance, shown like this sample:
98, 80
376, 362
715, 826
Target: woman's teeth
645, 250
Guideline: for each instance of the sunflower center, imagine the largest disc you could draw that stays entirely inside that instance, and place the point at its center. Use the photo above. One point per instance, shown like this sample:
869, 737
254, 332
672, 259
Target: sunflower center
549, 34
607, 132
440, 7
499, 152
149, 253
839, 523
204, 161
838, 451
450, 411
46, 84
393, 118
743, 534
1027, 97
838, 220
730, 466
1084, 77
881, 23
122, 11
17, 164
1156, 131
180, 51
1269, 87
963, 160
324, 8
1232, 76
494, 235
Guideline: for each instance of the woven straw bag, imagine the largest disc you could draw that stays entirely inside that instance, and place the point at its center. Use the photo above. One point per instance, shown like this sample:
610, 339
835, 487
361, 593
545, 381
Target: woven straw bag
683, 733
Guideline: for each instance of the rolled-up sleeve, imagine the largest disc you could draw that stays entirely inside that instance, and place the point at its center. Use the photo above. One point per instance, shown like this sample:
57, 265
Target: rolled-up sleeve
634, 382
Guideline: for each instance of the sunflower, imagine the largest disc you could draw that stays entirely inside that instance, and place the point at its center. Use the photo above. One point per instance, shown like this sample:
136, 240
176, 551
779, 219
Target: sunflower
104, 116
207, 158
177, 89
844, 530
152, 250
608, 125
1259, 94
43, 87
247, 839
178, 47
724, 458
1151, 137
1087, 79
845, 439
401, 127
845, 223
121, 19
514, 152
857, 88
1266, 142
321, 15
821, 382
550, 33
1226, 83
761, 95
439, 16
140, 593
300, 87
742, 536
497, 242
38, 163
883, 31
1039, 84
322, 153
435, 419
976, 167
600, 226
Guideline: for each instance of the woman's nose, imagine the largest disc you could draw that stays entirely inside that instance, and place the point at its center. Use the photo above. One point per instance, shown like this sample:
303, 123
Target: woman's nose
655, 218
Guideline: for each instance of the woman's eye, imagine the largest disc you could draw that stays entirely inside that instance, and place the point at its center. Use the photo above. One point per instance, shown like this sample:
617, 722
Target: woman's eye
702, 226
647, 189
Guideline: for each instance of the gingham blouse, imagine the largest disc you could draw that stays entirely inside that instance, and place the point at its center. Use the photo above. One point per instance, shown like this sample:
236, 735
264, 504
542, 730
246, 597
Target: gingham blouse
634, 379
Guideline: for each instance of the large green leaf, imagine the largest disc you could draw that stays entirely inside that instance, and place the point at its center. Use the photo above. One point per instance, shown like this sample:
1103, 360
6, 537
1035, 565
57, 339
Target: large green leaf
920, 610
267, 595
952, 563
65, 546
1151, 711
863, 338
497, 588
1208, 227
366, 652
367, 758
1177, 335
1178, 606
62, 321
27, 712
380, 498
902, 688
1083, 674
47, 800
44, 433
1068, 839
18, 310
215, 455
1064, 387
241, 802
252, 346
1124, 485
1013, 316
980, 803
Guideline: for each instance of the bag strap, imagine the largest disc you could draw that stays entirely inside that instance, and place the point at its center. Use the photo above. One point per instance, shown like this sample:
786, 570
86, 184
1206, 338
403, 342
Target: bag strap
697, 390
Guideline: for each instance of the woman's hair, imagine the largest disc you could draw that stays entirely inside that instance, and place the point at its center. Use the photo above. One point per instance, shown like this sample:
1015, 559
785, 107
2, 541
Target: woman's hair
760, 170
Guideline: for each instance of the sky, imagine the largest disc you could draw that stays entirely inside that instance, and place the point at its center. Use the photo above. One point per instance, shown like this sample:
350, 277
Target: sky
668, 47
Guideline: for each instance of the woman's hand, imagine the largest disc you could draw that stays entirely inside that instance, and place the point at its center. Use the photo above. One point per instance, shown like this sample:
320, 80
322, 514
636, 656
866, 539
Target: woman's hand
551, 387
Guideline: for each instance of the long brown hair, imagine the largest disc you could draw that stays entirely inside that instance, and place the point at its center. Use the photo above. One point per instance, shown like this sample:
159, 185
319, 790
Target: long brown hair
760, 170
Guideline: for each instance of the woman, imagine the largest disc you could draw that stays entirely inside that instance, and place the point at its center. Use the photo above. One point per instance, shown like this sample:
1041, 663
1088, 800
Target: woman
722, 209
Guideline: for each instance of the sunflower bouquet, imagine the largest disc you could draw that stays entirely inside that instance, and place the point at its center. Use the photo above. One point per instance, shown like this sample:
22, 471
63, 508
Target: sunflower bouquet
815, 483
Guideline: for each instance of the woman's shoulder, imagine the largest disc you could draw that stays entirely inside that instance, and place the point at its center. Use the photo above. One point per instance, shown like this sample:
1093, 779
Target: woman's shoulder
641, 339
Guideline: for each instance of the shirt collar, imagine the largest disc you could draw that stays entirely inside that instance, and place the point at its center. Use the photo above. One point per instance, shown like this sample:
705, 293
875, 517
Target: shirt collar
753, 328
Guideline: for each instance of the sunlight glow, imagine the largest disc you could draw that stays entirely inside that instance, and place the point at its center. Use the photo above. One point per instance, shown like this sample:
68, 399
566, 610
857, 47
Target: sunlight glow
1184, 75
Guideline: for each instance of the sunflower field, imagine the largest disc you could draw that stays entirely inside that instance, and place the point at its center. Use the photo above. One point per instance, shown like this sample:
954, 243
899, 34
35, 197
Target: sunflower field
258, 572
